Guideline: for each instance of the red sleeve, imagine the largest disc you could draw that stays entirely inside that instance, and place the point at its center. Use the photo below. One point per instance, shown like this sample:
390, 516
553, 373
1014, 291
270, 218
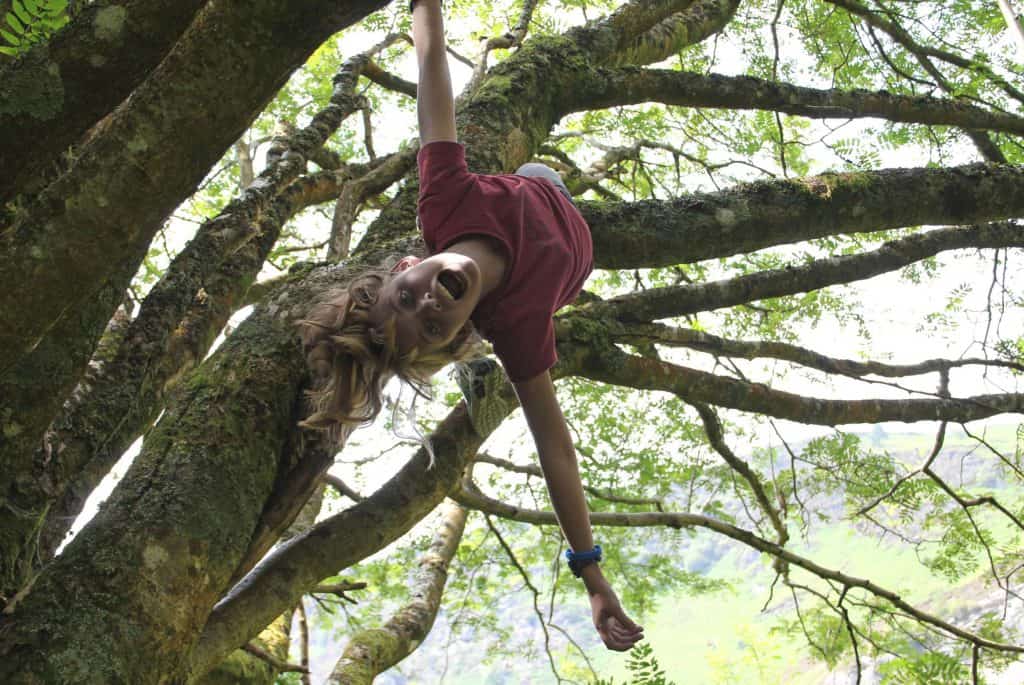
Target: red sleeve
527, 349
444, 182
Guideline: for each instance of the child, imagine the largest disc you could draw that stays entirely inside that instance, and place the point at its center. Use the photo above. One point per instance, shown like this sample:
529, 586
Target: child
507, 252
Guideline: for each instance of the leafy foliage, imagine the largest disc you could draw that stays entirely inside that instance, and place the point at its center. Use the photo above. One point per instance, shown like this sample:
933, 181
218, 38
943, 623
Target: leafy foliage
643, 668
927, 668
29, 22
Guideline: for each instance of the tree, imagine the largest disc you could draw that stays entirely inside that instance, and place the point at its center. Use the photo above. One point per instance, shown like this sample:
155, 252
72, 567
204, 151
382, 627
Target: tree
117, 118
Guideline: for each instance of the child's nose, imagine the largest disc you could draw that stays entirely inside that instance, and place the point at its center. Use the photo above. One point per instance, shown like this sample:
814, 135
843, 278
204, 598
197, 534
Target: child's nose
429, 302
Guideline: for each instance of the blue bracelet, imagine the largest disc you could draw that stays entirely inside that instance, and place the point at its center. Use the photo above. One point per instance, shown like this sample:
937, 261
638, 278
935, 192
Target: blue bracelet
579, 560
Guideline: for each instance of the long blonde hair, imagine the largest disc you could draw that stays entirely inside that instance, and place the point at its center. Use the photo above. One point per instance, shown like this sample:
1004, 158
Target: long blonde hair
351, 361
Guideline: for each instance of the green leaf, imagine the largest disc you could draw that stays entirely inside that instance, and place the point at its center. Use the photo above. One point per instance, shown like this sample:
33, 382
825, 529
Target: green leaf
15, 23
13, 40
21, 12
5, 50
31, 5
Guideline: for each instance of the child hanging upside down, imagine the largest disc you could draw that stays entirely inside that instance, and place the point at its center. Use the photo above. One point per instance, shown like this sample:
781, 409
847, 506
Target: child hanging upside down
507, 252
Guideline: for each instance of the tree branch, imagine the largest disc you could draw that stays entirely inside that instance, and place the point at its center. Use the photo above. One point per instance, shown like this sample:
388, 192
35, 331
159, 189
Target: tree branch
339, 485
898, 34
753, 216
713, 429
126, 181
340, 541
602, 361
373, 651
632, 85
759, 349
700, 20
61, 87
386, 79
678, 300
278, 664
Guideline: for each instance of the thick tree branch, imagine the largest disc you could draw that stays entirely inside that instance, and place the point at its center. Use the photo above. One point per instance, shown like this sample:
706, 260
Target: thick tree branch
473, 499
336, 543
386, 79
371, 652
632, 21
631, 85
53, 93
30, 394
660, 303
179, 320
606, 363
753, 216
688, 27
128, 179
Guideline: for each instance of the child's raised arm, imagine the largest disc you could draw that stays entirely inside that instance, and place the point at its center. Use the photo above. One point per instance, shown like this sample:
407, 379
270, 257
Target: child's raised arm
435, 103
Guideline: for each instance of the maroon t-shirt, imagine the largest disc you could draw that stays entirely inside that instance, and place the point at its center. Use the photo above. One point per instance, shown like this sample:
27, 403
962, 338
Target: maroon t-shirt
546, 242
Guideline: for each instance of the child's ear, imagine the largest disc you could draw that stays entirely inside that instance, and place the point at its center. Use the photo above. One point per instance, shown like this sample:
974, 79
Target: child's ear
405, 263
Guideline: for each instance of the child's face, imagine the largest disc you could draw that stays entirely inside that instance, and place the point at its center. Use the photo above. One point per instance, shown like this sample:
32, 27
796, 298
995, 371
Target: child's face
430, 300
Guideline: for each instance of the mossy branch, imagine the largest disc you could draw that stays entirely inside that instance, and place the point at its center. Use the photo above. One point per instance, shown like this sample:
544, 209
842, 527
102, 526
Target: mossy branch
373, 651
632, 85
753, 216
678, 300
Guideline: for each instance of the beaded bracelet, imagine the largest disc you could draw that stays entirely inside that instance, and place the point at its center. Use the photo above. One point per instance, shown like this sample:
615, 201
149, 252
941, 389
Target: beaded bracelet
579, 560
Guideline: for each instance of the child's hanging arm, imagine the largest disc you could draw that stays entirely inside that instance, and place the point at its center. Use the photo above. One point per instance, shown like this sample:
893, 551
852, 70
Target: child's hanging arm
435, 103
561, 471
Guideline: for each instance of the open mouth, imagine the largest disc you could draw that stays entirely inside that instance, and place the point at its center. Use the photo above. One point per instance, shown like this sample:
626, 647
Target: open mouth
453, 283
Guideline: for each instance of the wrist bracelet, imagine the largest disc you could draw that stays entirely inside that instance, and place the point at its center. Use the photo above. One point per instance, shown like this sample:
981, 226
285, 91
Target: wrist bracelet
579, 560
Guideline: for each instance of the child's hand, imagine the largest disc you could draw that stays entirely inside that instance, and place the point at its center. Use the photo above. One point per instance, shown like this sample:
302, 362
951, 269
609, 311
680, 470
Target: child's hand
616, 629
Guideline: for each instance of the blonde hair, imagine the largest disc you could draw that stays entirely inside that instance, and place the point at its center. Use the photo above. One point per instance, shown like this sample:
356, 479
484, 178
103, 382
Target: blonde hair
351, 361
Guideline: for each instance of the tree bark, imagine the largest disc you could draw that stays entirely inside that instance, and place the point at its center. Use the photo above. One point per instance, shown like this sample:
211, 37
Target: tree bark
754, 216
660, 303
140, 580
178, 321
244, 668
55, 92
128, 179
340, 541
631, 85
601, 361
371, 652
